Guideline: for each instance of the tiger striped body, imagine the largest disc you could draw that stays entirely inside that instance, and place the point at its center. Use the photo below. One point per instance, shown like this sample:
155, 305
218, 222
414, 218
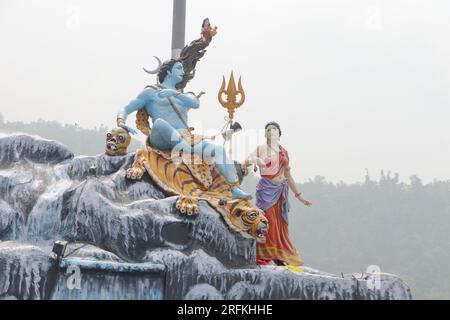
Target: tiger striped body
176, 178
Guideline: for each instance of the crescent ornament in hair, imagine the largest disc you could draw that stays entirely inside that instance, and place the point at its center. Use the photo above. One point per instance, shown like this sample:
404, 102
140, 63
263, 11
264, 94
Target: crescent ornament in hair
155, 71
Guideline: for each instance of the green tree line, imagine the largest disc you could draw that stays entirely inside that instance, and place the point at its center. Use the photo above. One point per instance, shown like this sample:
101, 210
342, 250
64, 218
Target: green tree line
80, 141
404, 228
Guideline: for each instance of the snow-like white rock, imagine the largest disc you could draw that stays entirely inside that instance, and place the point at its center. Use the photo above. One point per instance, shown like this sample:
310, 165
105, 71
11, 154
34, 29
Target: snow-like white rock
17, 148
47, 195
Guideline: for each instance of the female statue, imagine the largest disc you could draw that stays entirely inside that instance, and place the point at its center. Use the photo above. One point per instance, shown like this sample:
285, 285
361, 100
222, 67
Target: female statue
272, 197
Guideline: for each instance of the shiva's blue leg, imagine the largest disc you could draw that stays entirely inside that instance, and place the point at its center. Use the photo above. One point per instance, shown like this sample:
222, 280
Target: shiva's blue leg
223, 164
163, 136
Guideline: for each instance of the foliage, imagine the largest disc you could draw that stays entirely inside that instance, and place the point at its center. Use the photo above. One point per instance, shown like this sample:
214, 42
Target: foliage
80, 140
401, 227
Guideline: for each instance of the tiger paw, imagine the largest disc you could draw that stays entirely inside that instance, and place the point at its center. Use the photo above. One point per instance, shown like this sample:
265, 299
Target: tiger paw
135, 173
188, 205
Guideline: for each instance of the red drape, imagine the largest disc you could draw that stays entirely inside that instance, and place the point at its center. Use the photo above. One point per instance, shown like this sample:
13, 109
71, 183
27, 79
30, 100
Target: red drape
278, 244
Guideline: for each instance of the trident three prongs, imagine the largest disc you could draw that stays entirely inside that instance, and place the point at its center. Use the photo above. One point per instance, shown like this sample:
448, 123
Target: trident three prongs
231, 103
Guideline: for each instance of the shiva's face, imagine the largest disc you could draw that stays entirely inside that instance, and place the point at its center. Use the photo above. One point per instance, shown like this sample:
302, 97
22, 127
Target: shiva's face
177, 72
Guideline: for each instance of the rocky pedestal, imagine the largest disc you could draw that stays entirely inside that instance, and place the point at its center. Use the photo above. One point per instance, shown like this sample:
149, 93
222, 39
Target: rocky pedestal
128, 241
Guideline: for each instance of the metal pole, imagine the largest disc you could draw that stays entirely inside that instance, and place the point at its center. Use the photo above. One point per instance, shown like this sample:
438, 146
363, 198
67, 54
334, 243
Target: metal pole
178, 27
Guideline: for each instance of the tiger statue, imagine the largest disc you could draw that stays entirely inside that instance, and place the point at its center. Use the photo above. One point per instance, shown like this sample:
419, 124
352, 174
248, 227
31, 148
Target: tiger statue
194, 181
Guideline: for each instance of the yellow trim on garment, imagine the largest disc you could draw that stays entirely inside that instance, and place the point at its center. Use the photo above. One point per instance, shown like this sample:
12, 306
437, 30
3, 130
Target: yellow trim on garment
269, 253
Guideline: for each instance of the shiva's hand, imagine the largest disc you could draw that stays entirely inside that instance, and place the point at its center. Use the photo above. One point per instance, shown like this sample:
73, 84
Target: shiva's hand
129, 129
244, 170
165, 93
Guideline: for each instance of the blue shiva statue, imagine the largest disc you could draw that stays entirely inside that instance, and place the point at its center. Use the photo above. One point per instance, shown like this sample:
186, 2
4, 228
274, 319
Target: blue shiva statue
168, 106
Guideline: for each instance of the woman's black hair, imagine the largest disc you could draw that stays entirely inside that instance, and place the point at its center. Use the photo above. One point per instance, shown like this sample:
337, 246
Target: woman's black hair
273, 123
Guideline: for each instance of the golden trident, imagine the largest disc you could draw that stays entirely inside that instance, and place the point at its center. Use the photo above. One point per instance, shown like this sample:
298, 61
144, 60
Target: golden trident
231, 104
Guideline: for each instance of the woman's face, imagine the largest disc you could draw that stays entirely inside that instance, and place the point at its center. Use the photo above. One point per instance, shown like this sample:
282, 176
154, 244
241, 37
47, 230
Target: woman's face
272, 132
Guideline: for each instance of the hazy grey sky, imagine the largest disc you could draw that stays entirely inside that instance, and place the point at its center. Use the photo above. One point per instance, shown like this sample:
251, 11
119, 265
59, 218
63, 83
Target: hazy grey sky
354, 84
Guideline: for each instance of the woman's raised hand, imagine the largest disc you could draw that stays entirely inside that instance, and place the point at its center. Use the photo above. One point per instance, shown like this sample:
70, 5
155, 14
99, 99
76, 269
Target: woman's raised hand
304, 201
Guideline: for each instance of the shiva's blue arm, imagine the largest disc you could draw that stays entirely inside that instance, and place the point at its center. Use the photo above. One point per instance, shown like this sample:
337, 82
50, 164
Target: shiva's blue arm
142, 99
189, 100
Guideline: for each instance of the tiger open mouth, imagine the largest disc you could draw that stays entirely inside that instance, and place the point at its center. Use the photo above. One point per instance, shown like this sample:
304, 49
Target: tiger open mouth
261, 231
112, 146
117, 141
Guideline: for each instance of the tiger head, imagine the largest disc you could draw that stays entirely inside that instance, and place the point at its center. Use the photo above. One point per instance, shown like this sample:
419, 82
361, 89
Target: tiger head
252, 220
117, 142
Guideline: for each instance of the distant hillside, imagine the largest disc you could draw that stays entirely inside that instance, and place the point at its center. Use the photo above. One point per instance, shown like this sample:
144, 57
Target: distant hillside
80, 140
403, 228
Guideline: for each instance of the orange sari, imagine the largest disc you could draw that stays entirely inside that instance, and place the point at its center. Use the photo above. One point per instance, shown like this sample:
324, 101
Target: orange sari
278, 245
